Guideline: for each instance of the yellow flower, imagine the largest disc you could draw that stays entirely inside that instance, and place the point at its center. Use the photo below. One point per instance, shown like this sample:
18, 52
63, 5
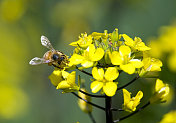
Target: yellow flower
104, 80
64, 80
169, 117
83, 42
123, 58
150, 65
161, 91
68, 84
130, 104
84, 106
135, 44
87, 59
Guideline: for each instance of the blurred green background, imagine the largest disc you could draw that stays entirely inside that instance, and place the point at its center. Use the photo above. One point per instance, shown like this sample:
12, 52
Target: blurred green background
26, 94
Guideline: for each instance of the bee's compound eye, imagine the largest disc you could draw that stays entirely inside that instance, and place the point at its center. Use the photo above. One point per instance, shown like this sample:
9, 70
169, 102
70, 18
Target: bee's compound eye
55, 57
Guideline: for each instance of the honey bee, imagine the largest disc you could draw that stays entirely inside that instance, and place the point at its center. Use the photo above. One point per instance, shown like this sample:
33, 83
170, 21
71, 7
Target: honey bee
51, 57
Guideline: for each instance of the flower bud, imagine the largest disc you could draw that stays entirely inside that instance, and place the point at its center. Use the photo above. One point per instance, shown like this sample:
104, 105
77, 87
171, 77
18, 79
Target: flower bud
84, 106
107, 57
115, 35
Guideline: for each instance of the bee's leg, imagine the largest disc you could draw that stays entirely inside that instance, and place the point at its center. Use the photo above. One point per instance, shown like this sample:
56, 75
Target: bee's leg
49, 64
56, 66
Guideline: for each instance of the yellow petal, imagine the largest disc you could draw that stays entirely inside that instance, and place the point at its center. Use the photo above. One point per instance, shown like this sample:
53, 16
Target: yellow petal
91, 50
156, 64
86, 54
83, 42
87, 64
98, 74
63, 85
110, 88
116, 59
147, 63
111, 74
128, 41
130, 107
166, 89
75, 59
74, 43
137, 98
128, 68
96, 86
65, 74
142, 47
126, 96
56, 77
139, 95
159, 85
71, 78
136, 63
124, 50
99, 53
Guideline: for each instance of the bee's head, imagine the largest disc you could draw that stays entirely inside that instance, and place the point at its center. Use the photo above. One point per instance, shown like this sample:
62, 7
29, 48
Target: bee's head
55, 57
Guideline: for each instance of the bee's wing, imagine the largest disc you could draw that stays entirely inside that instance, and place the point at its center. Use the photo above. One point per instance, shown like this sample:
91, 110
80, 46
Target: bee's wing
45, 42
37, 61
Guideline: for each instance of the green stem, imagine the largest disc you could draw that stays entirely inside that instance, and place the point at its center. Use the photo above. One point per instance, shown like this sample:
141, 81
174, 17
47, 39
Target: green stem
137, 77
95, 105
84, 71
91, 117
91, 95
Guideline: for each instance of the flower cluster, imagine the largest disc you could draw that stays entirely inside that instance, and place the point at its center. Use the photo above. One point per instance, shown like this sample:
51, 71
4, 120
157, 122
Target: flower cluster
107, 55
113, 49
